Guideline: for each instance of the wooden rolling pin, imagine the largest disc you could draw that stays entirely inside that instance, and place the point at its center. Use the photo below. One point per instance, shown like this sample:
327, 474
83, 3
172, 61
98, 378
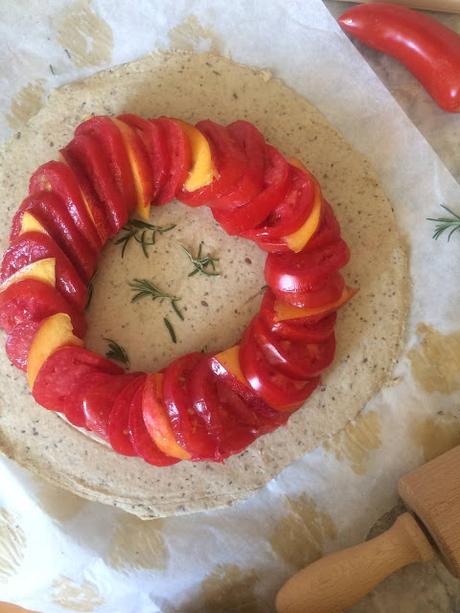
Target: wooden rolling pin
336, 582
444, 6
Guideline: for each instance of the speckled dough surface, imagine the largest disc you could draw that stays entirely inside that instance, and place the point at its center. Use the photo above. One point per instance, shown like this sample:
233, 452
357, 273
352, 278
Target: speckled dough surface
217, 309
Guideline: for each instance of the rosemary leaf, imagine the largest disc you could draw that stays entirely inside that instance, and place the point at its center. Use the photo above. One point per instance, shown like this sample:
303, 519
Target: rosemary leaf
446, 223
143, 233
116, 352
170, 328
205, 265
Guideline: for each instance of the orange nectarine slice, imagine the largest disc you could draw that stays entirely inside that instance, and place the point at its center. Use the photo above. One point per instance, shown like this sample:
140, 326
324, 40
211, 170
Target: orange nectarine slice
42, 270
54, 332
202, 170
285, 311
156, 418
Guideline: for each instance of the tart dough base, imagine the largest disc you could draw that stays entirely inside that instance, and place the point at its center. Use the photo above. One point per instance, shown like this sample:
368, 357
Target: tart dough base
369, 330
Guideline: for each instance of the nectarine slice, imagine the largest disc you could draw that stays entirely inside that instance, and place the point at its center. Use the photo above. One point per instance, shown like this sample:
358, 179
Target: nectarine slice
140, 167
202, 170
41, 270
156, 418
29, 223
54, 332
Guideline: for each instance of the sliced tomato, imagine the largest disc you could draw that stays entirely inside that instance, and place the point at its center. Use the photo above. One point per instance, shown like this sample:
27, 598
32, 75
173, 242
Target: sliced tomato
94, 206
230, 162
96, 394
156, 418
305, 271
141, 440
294, 358
234, 417
33, 246
118, 424
58, 381
179, 155
287, 312
51, 212
59, 178
243, 218
33, 300
109, 138
302, 329
87, 151
252, 142
188, 425
154, 139
228, 418
279, 391
18, 343
291, 211
328, 231
328, 293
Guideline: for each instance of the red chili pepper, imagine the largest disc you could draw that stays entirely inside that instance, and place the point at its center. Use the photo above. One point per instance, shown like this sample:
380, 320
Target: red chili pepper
425, 47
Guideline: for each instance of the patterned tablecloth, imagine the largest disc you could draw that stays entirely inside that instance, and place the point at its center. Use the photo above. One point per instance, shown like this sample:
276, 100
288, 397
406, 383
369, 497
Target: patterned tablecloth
60, 553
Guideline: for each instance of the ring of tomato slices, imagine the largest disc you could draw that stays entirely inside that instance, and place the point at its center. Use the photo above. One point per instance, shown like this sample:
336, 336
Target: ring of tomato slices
200, 407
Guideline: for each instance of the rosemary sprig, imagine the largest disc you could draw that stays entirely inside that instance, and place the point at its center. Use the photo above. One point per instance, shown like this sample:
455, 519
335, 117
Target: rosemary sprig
143, 233
144, 288
203, 264
116, 352
171, 330
90, 294
446, 223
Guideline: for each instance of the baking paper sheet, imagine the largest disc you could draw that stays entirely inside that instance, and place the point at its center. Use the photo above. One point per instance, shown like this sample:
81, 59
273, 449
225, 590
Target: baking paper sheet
61, 553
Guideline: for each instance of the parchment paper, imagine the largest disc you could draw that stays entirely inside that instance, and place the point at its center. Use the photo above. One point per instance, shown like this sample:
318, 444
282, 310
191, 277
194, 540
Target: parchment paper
60, 553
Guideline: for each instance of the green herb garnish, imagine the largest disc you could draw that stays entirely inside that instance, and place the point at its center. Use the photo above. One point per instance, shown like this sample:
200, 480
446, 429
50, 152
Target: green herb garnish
203, 264
446, 223
143, 233
170, 328
116, 352
145, 288
90, 294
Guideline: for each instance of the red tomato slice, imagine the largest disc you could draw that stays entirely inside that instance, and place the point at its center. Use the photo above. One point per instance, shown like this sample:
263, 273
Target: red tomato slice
118, 424
141, 440
109, 138
328, 231
58, 380
180, 159
234, 415
154, 139
292, 211
328, 293
33, 246
52, 214
97, 394
188, 425
250, 184
95, 206
228, 418
32, 300
243, 218
279, 391
305, 271
296, 359
87, 151
18, 343
59, 178
230, 162
306, 330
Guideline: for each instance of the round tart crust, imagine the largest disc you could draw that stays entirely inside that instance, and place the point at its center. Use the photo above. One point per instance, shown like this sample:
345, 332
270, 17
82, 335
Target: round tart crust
369, 329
